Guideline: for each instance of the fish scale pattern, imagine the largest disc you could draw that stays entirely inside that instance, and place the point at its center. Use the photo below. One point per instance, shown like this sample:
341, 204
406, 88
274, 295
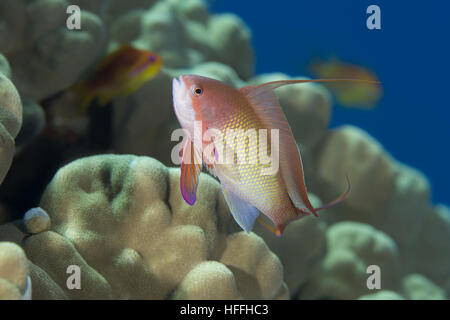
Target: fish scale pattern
241, 135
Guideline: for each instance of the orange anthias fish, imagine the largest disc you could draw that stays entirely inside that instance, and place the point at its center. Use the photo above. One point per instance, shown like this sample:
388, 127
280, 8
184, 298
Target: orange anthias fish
120, 73
250, 185
358, 95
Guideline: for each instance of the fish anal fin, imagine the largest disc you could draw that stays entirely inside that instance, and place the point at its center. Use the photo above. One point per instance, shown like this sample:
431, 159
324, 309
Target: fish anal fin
275, 230
243, 212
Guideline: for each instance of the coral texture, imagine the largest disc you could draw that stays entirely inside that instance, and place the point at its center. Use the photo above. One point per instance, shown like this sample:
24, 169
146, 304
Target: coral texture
418, 287
382, 295
300, 249
14, 280
10, 122
44, 55
122, 220
351, 248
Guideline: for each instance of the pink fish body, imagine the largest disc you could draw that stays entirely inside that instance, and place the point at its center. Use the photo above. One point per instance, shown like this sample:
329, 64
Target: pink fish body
250, 187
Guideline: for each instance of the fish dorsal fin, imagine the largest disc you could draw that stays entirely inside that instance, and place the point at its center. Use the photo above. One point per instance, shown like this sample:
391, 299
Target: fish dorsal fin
263, 100
191, 166
243, 212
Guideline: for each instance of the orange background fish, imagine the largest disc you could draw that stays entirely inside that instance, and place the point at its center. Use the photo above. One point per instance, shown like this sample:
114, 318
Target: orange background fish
118, 74
357, 95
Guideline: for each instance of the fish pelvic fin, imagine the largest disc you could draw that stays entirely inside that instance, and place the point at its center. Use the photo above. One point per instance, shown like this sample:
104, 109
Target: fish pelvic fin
338, 200
242, 211
276, 231
191, 167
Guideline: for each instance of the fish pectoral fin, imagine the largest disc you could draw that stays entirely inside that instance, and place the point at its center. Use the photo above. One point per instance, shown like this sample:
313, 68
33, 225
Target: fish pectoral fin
191, 167
243, 212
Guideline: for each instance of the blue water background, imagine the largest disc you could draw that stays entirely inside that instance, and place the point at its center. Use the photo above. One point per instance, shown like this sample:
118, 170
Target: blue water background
410, 55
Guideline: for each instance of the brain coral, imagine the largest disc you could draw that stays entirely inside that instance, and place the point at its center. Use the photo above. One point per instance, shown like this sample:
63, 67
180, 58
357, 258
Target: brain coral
122, 220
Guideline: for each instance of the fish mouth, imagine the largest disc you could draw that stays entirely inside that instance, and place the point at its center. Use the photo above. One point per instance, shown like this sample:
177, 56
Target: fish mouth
178, 93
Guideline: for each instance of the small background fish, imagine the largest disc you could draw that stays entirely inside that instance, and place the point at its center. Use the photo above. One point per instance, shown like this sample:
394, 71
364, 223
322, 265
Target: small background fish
351, 95
120, 73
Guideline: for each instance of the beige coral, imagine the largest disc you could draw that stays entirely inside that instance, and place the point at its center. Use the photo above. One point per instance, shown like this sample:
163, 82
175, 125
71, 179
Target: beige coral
431, 256
300, 248
123, 221
185, 34
350, 151
418, 287
10, 122
45, 56
14, 280
351, 248
382, 295
36, 220
385, 194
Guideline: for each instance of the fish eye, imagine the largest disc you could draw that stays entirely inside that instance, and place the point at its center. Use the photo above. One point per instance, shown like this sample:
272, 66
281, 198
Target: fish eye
197, 91
152, 58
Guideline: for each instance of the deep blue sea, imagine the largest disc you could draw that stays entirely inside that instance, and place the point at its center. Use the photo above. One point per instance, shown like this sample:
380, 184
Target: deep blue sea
410, 55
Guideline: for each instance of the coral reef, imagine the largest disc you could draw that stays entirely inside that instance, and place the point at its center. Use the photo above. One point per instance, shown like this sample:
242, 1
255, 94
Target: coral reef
351, 248
185, 34
10, 122
33, 122
44, 55
121, 218
417, 287
135, 112
123, 221
14, 280
382, 295
4, 66
305, 239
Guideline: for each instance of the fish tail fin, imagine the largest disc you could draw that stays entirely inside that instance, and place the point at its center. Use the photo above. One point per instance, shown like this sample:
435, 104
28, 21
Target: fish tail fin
338, 200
